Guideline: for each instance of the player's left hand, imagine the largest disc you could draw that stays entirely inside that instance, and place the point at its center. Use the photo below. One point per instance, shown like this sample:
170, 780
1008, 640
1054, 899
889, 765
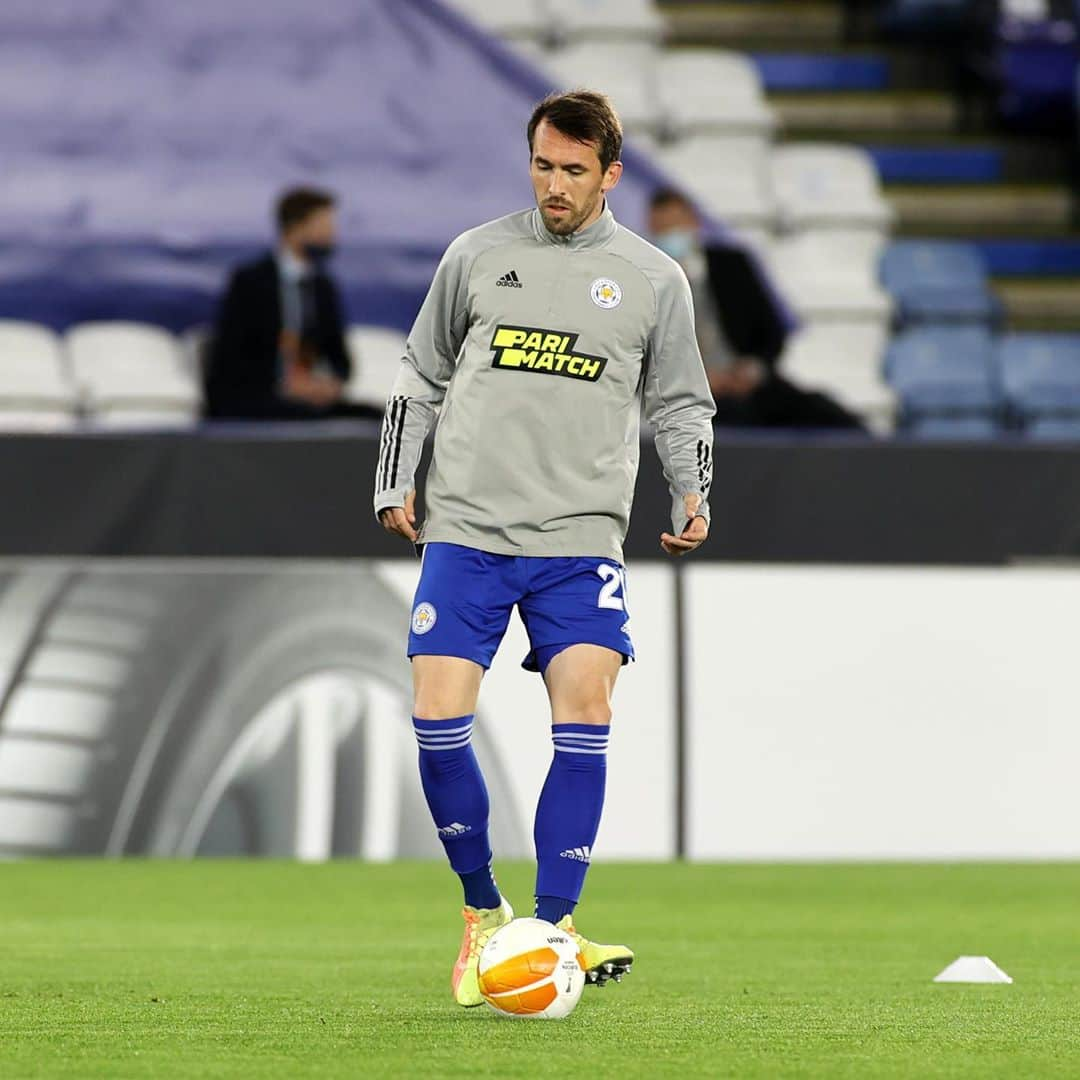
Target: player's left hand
695, 533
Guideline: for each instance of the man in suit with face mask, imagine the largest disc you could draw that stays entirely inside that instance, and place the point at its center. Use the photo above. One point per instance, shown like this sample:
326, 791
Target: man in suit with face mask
741, 327
278, 349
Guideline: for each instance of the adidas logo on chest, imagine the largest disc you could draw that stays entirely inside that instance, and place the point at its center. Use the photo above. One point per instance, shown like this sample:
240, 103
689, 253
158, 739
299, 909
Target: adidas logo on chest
510, 280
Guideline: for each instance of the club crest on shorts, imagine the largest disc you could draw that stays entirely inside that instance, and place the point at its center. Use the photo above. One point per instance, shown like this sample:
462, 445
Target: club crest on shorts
423, 618
605, 293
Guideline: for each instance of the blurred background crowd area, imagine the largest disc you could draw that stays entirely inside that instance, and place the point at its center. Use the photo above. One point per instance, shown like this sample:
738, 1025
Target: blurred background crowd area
892, 183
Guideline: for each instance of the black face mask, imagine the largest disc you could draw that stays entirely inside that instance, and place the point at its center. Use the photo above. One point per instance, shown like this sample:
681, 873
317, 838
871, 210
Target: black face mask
318, 254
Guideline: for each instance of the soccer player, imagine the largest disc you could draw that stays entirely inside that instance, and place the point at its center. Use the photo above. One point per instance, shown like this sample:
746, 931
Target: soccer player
539, 337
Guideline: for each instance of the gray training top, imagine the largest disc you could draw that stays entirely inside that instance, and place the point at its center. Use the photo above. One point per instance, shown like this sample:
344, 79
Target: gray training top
539, 348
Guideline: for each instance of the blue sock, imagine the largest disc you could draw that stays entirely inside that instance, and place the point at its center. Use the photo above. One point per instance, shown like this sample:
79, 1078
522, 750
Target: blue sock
458, 800
552, 908
568, 816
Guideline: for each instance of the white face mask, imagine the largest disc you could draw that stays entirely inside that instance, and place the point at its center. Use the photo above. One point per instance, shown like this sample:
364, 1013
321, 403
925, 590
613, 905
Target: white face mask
678, 243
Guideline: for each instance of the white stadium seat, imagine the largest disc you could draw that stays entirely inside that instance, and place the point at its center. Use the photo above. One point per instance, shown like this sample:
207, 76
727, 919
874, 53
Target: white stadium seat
376, 353
626, 72
832, 275
713, 91
36, 391
131, 419
517, 19
844, 360
819, 184
131, 372
195, 346
727, 177
36, 421
605, 20
856, 251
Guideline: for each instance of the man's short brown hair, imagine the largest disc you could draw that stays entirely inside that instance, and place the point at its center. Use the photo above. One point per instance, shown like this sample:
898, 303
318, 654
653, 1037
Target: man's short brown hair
299, 203
665, 196
584, 115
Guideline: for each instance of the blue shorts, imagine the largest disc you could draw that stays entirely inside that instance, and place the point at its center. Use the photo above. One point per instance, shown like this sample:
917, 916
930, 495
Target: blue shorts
464, 599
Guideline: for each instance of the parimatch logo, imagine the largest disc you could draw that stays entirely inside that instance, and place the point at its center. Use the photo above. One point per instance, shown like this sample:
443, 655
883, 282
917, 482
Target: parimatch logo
529, 348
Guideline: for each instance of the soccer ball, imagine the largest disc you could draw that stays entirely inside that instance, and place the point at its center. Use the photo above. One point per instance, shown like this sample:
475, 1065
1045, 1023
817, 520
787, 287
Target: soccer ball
532, 969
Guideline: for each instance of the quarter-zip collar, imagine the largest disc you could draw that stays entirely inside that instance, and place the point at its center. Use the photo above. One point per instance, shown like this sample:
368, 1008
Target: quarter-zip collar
595, 235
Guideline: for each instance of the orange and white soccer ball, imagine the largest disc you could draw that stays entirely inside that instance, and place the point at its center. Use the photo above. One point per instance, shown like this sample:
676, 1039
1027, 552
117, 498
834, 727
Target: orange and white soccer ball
531, 969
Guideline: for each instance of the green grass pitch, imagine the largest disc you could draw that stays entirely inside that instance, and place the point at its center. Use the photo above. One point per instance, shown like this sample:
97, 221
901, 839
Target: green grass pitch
140, 969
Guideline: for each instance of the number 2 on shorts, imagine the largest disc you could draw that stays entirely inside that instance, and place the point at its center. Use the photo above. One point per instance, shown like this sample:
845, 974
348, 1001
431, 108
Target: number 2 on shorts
614, 580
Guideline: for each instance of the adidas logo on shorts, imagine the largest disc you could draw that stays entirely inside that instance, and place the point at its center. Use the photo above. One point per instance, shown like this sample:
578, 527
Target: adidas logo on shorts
510, 280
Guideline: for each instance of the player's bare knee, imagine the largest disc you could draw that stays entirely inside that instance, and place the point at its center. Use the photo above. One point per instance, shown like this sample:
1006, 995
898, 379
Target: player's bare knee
435, 703
591, 711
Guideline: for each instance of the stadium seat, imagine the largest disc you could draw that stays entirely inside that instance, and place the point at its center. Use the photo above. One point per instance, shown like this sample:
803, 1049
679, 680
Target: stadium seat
712, 91
605, 20
376, 353
819, 184
831, 274
512, 19
1035, 65
135, 419
728, 177
938, 282
626, 71
944, 370
195, 345
958, 428
131, 373
1040, 374
35, 390
844, 360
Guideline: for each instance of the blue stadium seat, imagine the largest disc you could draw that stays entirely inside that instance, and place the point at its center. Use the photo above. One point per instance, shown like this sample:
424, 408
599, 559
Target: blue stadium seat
959, 428
934, 281
1040, 374
944, 371
1035, 61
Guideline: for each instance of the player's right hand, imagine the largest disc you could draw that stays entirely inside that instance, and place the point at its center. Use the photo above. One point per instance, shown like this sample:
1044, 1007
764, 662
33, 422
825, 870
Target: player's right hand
401, 519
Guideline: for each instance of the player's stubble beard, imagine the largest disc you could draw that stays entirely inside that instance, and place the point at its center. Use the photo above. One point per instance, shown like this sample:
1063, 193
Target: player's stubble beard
570, 224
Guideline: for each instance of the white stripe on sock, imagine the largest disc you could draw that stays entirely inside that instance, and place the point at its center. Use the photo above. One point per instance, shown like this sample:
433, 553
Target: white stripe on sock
444, 745
438, 733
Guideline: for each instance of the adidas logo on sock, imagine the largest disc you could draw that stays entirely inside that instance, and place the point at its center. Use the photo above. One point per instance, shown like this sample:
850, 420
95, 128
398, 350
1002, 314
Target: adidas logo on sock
578, 854
510, 280
454, 829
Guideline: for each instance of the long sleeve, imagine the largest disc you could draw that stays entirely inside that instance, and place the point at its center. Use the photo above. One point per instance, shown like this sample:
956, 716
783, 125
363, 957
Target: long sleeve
426, 368
678, 404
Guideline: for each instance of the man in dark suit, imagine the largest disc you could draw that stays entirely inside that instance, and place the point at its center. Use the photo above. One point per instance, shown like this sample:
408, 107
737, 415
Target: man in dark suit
278, 349
741, 327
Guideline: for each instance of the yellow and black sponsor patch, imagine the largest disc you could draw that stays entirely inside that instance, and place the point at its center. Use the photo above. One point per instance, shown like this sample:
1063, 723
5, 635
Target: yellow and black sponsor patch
529, 348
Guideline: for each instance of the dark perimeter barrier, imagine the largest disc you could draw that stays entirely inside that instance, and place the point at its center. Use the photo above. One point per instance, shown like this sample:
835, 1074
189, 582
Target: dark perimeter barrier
305, 491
